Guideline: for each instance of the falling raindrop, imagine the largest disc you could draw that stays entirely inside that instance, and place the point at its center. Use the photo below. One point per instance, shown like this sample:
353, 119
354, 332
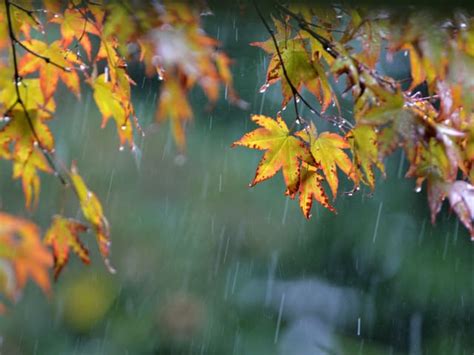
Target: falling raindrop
377, 222
280, 312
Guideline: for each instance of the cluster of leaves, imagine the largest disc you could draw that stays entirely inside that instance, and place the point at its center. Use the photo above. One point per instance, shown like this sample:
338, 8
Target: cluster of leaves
430, 117
93, 43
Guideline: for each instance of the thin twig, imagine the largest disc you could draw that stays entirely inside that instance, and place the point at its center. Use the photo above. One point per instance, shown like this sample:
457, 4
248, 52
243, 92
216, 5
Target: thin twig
294, 91
28, 12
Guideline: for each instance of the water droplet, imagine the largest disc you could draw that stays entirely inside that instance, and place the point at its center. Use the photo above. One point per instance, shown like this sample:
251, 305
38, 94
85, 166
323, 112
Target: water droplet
418, 189
121, 148
264, 88
106, 74
123, 127
405, 53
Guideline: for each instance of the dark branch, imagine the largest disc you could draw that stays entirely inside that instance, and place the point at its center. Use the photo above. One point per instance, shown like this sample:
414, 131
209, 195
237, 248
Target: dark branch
19, 100
294, 91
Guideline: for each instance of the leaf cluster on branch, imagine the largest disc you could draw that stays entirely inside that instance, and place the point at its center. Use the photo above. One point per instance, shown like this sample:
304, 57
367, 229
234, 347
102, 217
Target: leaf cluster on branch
95, 40
431, 117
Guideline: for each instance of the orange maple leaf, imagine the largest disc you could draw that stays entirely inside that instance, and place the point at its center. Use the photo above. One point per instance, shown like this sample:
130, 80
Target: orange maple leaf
310, 188
49, 73
21, 246
63, 237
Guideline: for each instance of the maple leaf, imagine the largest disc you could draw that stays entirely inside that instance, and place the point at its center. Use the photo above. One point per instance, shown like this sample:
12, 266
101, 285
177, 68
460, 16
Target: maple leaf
282, 34
27, 158
49, 73
174, 106
114, 103
311, 188
63, 236
93, 212
31, 95
282, 151
75, 25
418, 74
327, 150
19, 130
26, 165
20, 245
437, 191
461, 198
363, 141
301, 71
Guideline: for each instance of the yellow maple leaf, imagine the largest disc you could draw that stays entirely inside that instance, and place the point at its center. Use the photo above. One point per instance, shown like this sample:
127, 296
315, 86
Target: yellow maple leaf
363, 140
327, 150
93, 212
282, 151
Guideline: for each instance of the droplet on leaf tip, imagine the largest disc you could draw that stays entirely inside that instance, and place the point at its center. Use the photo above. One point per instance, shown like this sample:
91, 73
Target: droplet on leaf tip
123, 127
418, 189
264, 88
121, 148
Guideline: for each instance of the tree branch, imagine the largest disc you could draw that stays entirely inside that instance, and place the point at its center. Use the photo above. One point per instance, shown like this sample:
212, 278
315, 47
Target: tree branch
294, 91
19, 100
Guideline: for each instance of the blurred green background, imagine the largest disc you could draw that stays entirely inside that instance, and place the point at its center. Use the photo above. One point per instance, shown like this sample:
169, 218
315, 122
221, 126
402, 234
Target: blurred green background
207, 265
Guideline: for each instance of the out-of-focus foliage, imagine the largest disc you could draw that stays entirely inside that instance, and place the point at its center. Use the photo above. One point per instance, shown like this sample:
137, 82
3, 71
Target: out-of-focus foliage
45, 43
431, 118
